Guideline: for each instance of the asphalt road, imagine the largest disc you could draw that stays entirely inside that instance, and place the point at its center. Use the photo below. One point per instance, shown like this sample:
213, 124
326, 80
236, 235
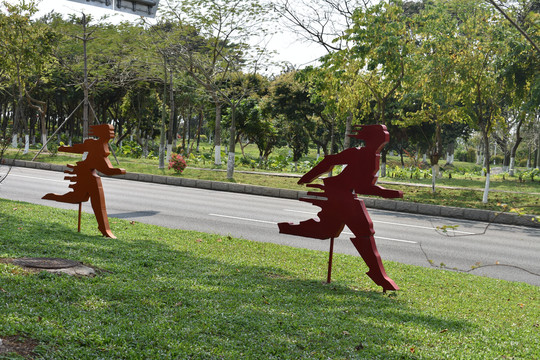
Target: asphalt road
405, 238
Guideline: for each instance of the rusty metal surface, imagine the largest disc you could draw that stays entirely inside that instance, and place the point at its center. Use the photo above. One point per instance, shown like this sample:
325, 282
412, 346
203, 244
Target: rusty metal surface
339, 203
45, 263
86, 182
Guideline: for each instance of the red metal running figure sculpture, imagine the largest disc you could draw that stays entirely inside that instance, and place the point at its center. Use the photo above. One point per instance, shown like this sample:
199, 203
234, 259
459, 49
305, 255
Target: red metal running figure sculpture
87, 183
341, 205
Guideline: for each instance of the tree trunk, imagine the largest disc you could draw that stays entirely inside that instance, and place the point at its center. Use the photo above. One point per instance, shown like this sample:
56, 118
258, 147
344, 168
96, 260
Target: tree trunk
479, 154
26, 143
434, 174
348, 129
162, 137
486, 162
450, 153
201, 117
232, 144
434, 156
382, 171
537, 158
170, 132
513, 151
184, 132
332, 136
217, 134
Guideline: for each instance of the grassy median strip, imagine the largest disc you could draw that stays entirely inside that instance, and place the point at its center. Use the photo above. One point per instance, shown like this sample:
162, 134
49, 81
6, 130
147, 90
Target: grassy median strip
173, 294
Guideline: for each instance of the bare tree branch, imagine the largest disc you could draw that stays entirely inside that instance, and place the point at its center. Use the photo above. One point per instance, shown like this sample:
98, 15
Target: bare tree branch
514, 24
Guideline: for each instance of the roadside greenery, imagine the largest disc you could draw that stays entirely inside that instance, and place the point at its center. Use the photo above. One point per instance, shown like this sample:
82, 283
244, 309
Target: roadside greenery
163, 293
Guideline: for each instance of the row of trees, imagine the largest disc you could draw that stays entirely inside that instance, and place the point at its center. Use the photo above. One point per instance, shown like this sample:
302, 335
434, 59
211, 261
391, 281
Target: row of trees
433, 71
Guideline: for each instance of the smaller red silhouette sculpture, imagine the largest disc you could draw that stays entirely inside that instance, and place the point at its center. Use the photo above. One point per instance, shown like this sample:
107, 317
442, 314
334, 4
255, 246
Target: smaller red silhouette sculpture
340, 204
87, 183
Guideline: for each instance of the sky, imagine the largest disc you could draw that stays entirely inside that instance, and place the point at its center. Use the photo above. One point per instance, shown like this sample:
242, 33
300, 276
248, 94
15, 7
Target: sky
287, 45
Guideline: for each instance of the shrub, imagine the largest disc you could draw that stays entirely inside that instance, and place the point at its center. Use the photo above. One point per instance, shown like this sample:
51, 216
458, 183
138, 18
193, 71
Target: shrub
529, 174
468, 155
131, 149
53, 147
177, 163
498, 159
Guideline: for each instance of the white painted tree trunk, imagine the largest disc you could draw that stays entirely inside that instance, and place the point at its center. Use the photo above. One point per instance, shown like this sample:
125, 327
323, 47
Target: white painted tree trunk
486, 190
14, 141
217, 155
511, 167
26, 144
145, 147
230, 166
382, 170
44, 141
449, 158
161, 156
169, 152
424, 158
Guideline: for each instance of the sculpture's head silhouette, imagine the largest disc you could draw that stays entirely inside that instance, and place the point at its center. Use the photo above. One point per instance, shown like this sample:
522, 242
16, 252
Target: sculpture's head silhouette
104, 132
374, 136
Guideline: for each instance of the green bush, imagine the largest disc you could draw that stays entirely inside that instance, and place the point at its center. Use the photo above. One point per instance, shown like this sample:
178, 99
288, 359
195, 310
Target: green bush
498, 159
529, 175
131, 149
468, 155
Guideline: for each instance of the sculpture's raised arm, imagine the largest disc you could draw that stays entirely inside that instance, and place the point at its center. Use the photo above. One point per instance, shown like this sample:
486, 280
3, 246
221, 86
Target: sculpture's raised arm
323, 167
75, 149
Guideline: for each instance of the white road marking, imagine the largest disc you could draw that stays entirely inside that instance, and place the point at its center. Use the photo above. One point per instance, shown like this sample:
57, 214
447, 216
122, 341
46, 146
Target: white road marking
421, 227
386, 222
275, 223
245, 219
385, 238
34, 177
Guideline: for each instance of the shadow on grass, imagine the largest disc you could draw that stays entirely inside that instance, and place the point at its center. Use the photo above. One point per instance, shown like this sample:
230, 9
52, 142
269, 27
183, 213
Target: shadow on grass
178, 294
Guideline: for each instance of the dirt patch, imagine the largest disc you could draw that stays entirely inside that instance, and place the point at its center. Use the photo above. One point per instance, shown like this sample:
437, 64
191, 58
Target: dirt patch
19, 345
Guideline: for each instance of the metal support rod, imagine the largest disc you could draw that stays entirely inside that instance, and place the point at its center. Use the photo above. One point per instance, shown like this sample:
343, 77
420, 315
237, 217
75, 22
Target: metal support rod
79, 224
54, 133
330, 255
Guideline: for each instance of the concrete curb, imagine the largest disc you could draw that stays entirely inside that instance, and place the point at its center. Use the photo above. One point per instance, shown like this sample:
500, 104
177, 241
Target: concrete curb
375, 203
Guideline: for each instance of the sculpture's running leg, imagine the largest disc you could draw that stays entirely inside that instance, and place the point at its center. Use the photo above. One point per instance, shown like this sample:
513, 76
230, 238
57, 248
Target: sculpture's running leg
72, 197
328, 226
368, 250
312, 228
362, 227
97, 199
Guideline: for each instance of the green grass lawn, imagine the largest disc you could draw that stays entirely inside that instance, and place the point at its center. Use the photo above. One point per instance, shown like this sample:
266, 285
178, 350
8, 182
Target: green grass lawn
173, 294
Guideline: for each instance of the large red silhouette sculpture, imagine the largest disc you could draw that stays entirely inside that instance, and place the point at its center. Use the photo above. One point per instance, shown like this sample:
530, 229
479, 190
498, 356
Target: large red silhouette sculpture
87, 183
340, 204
